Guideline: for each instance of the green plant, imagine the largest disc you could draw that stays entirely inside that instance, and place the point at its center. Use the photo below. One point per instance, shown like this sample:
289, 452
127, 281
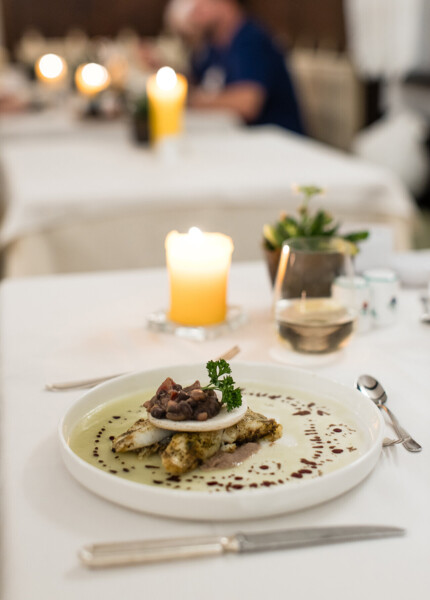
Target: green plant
307, 224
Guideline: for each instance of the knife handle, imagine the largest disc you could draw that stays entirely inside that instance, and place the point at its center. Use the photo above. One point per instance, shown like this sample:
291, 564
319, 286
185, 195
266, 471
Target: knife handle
133, 553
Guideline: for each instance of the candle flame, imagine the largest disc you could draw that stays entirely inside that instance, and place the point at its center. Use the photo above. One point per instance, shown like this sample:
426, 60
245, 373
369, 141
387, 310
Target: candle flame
166, 79
195, 233
51, 66
95, 75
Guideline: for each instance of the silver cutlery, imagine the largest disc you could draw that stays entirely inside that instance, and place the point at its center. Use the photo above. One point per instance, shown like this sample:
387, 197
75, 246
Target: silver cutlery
387, 442
371, 388
425, 317
145, 552
86, 384
83, 384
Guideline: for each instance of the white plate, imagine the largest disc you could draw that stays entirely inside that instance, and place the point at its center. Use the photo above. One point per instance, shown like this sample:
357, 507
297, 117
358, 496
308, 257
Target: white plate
223, 420
223, 506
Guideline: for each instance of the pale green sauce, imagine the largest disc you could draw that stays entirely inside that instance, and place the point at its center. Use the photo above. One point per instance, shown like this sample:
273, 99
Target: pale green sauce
311, 446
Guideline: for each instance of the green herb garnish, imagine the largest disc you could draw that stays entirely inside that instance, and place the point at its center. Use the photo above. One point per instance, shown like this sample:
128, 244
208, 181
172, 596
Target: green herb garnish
231, 396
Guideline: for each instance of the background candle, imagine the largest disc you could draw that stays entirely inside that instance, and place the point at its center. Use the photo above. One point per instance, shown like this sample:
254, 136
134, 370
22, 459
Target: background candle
51, 69
167, 93
198, 265
91, 79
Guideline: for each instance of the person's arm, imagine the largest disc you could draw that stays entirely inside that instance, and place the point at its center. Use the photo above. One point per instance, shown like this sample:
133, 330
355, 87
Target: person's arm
246, 99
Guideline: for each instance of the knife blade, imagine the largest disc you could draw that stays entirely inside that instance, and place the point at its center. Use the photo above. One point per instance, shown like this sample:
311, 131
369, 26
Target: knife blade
152, 551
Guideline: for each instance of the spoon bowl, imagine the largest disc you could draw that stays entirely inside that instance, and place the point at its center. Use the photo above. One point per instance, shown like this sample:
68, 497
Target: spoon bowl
370, 387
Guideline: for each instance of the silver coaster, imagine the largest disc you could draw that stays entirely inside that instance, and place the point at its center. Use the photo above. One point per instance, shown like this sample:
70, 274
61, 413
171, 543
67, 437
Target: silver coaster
159, 321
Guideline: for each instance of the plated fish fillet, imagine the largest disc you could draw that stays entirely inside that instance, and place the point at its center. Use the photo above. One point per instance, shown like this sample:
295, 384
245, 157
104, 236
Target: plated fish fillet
183, 452
251, 428
156, 448
186, 451
140, 435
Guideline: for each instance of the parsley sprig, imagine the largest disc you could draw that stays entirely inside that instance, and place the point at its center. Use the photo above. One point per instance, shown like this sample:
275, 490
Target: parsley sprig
219, 372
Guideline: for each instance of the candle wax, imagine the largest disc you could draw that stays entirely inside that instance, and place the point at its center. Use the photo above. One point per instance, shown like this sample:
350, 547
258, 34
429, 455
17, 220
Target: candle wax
166, 108
198, 272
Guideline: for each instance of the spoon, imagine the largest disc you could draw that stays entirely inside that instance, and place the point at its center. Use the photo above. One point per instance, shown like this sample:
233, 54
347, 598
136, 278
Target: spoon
371, 388
425, 317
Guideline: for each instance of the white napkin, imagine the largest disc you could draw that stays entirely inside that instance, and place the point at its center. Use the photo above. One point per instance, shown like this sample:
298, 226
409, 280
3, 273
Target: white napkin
413, 268
386, 37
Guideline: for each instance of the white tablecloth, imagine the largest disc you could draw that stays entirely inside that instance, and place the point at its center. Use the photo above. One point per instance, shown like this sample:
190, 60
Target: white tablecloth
74, 326
92, 200
61, 122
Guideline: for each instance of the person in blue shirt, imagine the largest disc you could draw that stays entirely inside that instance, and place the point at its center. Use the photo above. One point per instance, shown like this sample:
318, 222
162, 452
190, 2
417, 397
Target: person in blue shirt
239, 67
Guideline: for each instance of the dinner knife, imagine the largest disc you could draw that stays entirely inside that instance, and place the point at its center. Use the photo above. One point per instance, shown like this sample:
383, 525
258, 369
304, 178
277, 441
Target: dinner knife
153, 551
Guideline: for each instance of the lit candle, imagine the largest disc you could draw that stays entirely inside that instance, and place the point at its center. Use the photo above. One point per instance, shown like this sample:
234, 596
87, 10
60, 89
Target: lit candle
167, 93
51, 69
198, 265
91, 79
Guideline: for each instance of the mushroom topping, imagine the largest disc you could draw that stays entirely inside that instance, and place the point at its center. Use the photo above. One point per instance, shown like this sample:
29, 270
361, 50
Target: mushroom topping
176, 403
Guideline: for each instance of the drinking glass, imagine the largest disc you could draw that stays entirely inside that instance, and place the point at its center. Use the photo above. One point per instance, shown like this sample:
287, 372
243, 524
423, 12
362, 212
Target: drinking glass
308, 318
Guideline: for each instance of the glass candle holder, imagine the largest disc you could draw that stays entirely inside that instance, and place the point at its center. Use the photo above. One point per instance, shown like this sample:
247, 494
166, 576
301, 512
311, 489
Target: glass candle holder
308, 318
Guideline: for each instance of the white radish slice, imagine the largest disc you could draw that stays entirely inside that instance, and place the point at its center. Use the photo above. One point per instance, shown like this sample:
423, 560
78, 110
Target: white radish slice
223, 420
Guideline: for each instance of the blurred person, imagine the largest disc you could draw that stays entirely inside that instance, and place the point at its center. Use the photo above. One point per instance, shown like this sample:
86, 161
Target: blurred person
239, 67
178, 19
13, 93
177, 39
10, 103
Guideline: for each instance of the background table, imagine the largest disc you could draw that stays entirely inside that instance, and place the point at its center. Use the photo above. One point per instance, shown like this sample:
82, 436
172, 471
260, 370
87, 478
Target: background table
69, 327
81, 198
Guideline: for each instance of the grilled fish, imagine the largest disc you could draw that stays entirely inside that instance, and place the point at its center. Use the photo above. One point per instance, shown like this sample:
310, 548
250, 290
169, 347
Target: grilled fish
142, 434
251, 428
186, 451
183, 452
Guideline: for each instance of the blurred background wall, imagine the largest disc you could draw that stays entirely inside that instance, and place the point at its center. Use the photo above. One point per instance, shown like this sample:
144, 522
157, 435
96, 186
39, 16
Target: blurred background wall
304, 22
2, 41
96, 17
